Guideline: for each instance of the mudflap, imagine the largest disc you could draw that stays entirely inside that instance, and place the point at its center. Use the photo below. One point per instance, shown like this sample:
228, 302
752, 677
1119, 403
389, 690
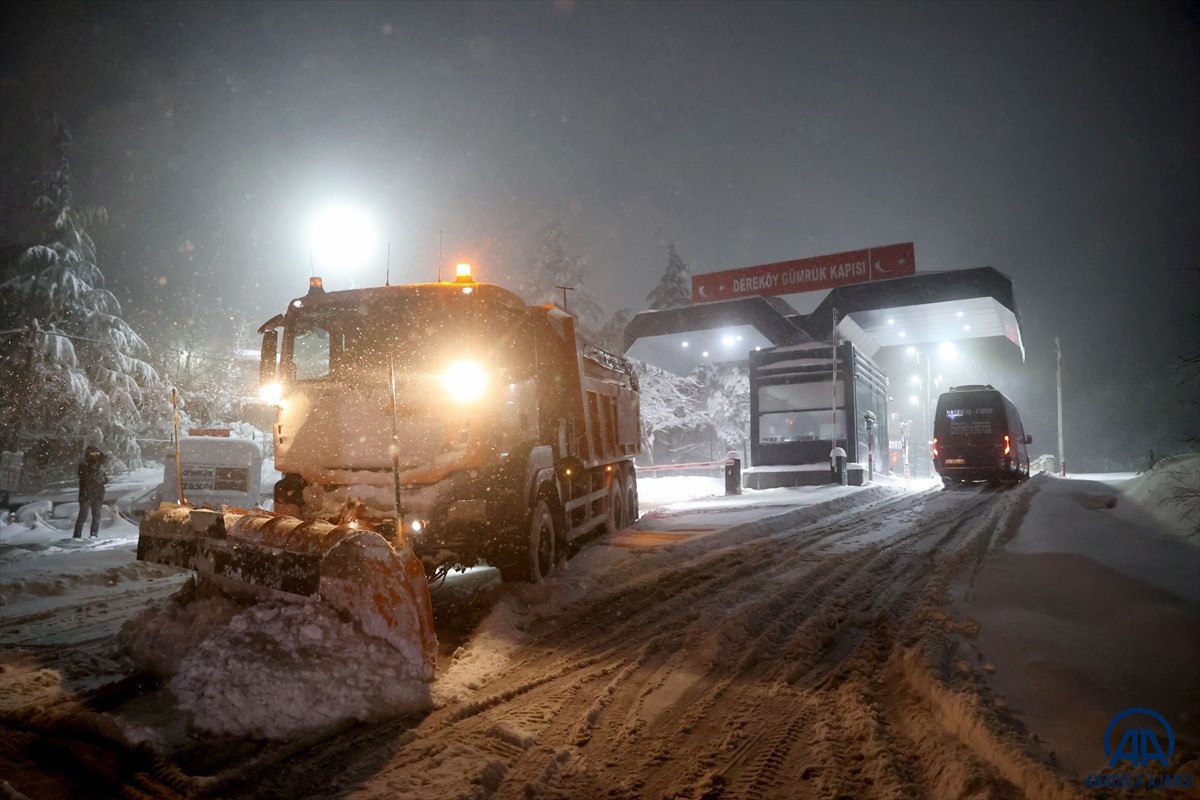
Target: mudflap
378, 585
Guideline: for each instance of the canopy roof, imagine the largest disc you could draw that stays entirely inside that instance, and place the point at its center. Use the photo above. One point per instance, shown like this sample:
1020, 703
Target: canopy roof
922, 308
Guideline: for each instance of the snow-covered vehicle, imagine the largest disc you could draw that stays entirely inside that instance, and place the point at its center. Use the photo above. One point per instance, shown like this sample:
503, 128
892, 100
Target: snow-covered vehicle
487, 428
213, 471
978, 436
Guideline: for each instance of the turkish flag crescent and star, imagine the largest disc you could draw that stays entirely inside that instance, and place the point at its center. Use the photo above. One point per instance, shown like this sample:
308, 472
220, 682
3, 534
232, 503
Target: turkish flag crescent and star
807, 274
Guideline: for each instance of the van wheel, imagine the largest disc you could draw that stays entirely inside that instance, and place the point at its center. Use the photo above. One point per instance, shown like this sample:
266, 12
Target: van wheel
535, 561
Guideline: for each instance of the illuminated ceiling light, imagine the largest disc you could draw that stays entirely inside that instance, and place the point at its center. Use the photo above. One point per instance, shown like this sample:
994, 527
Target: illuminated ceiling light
903, 334
705, 354
728, 341
758, 348
685, 344
891, 322
914, 380
966, 327
947, 350
739, 338
913, 399
958, 313
912, 351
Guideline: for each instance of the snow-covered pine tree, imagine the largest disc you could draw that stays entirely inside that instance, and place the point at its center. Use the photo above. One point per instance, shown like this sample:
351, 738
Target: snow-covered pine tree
80, 370
726, 392
612, 336
554, 268
675, 288
213, 383
670, 407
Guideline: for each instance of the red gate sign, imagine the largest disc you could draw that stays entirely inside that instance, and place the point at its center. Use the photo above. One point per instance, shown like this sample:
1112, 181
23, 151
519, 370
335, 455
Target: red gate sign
807, 274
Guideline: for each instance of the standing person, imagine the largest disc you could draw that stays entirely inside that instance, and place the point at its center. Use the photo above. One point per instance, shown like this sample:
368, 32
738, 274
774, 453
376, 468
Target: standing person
92, 479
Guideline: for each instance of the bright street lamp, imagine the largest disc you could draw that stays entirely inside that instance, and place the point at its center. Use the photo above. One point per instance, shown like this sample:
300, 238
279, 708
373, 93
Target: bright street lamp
341, 237
926, 411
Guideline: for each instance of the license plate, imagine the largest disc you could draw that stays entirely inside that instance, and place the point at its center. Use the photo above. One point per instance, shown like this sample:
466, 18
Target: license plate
954, 461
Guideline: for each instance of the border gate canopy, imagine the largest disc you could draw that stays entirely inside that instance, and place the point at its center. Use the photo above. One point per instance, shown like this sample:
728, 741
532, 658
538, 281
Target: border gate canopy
922, 308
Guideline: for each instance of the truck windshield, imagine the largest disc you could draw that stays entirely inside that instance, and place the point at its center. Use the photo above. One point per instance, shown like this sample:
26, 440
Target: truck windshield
356, 340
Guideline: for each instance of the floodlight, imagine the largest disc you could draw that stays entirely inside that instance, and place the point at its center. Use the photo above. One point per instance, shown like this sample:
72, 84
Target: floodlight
342, 237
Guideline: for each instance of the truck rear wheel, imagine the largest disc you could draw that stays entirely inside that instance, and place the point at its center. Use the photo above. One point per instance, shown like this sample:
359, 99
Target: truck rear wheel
616, 507
534, 561
631, 500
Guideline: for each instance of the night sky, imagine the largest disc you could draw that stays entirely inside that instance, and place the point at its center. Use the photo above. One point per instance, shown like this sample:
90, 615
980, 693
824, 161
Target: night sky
1058, 143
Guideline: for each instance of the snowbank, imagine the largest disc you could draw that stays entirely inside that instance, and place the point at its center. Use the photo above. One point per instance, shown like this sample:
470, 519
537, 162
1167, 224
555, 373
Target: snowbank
272, 670
1170, 494
1089, 610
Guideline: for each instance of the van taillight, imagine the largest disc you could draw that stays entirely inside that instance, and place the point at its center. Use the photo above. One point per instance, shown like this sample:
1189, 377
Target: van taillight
1007, 446
935, 450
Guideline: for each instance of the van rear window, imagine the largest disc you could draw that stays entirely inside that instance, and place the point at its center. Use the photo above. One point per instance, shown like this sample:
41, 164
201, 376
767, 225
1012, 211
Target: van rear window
970, 420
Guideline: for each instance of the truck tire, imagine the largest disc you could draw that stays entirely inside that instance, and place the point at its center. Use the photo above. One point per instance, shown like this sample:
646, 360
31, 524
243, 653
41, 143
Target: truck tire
534, 561
616, 507
631, 500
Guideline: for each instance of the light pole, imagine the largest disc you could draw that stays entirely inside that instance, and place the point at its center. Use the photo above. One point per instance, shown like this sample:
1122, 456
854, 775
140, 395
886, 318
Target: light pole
342, 237
926, 425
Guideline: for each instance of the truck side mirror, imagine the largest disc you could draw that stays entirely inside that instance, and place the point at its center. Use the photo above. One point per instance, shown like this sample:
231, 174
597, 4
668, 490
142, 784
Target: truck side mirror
1028, 439
267, 357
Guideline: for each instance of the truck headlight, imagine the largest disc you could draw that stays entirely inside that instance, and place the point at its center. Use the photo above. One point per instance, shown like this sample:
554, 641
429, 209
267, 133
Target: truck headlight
464, 381
270, 392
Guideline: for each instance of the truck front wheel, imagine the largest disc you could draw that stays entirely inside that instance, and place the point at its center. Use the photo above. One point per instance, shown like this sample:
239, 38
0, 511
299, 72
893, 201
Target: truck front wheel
534, 560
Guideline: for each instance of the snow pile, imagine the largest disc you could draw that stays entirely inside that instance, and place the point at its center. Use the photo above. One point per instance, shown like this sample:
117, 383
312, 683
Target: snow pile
273, 670
1170, 494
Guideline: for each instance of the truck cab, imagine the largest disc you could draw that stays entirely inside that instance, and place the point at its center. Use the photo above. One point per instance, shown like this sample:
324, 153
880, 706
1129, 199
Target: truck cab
457, 409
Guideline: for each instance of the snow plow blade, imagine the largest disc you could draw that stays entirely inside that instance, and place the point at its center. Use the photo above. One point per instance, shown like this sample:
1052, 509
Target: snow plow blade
382, 588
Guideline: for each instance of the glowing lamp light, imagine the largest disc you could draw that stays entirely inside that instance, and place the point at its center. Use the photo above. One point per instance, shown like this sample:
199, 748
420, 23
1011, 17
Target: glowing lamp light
728, 341
464, 382
912, 351
462, 273
342, 237
270, 392
947, 350
914, 400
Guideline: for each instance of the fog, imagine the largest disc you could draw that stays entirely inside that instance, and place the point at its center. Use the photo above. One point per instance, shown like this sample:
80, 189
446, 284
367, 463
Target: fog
1056, 142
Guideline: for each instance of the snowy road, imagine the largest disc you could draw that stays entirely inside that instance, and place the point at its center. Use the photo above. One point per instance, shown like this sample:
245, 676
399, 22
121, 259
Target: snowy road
807, 651
798, 663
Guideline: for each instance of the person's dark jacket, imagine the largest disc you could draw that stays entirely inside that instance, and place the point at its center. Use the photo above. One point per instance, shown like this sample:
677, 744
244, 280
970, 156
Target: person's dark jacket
92, 477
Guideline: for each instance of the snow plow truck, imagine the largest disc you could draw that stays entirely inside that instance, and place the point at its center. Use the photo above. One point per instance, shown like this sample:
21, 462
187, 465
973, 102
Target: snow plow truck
419, 428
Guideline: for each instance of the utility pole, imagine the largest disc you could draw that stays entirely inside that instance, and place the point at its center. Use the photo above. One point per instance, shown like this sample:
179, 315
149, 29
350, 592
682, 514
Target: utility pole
1062, 461
833, 338
565, 289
